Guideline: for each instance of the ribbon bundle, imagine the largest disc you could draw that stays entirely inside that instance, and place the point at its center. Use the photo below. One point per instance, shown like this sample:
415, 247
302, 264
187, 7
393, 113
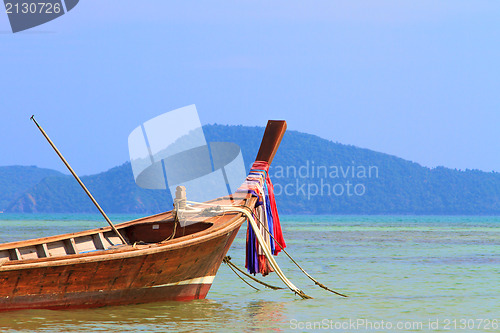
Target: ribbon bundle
259, 185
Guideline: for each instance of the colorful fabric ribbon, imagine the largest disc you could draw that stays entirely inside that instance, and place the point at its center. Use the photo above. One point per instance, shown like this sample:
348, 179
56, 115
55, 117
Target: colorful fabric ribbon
259, 184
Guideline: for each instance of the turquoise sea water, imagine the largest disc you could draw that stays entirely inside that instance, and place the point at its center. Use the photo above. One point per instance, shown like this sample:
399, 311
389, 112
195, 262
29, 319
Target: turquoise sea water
402, 274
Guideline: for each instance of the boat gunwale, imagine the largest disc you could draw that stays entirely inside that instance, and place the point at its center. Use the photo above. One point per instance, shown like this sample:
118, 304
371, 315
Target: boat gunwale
129, 251
61, 237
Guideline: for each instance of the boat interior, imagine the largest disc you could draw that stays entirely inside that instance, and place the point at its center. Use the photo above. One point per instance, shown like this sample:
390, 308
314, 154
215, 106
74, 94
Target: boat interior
160, 228
151, 230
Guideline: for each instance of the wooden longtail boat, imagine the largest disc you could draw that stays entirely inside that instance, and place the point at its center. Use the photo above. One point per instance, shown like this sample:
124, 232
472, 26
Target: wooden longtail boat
93, 268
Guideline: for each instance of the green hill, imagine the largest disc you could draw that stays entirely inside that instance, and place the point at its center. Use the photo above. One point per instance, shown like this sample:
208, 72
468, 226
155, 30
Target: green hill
115, 190
16, 180
311, 176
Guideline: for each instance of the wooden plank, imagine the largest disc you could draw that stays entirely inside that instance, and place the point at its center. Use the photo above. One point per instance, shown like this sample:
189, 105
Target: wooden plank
99, 241
4, 254
50, 239
3, 261
56, 249
46, 249
85, 244
28, 252
42, 250
275, 130
70, 246
112, 239
15, 254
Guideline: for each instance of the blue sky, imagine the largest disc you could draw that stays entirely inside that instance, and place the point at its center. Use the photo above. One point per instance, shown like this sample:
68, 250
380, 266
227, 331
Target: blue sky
419, 80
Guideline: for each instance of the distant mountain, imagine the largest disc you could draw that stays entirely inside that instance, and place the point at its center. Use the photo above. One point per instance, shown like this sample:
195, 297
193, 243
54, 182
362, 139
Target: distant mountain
115, 190
16, 180
311, 176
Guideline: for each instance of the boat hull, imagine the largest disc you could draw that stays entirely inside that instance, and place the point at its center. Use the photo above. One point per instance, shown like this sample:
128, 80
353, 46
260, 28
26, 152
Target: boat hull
159, 274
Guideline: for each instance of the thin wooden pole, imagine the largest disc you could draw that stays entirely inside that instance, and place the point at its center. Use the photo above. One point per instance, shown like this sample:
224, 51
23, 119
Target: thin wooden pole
79, 181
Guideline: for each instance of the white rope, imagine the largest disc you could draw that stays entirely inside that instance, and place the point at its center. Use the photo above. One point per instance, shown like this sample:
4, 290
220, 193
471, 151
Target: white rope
263, 244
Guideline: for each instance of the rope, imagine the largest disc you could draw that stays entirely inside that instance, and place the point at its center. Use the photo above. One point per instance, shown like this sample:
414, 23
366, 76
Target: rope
172, 236
290, 257
242, 279
267, 251
229, 263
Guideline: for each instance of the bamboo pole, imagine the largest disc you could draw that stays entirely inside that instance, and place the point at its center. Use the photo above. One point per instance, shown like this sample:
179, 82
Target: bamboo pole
79, 181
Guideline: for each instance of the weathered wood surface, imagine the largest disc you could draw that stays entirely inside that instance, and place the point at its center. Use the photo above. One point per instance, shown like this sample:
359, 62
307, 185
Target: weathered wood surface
273, 134
127, 277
